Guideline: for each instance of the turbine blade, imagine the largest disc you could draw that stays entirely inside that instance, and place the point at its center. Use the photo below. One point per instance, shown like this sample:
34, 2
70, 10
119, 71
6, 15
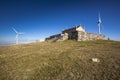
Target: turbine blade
14, 30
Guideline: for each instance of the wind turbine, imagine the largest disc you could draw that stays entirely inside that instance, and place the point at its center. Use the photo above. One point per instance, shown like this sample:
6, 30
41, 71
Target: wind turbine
99, 23
17, 34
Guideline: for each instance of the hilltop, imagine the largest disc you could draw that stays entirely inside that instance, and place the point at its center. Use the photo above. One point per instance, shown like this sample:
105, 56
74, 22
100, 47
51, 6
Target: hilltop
65, 60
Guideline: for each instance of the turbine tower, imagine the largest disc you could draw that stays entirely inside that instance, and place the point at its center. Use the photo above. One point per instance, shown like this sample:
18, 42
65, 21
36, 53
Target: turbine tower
99, 23
17, 34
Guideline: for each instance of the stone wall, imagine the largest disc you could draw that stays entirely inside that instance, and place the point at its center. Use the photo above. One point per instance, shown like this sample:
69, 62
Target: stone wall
64, 36
83, 36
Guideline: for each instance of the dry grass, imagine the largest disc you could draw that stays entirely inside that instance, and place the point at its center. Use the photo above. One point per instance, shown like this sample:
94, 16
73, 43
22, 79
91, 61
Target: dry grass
67, 60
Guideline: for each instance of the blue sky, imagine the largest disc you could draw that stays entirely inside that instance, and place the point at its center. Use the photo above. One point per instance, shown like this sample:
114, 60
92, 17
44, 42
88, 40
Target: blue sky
42, 18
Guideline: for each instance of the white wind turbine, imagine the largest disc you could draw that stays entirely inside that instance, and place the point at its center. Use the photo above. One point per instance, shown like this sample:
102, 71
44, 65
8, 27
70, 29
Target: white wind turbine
99, 23
17, 34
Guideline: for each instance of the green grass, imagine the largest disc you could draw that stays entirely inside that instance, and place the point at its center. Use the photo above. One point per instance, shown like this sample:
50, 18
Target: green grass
67, 60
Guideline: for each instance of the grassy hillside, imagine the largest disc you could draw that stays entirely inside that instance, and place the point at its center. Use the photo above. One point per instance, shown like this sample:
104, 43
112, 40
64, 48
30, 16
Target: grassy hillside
67, 60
